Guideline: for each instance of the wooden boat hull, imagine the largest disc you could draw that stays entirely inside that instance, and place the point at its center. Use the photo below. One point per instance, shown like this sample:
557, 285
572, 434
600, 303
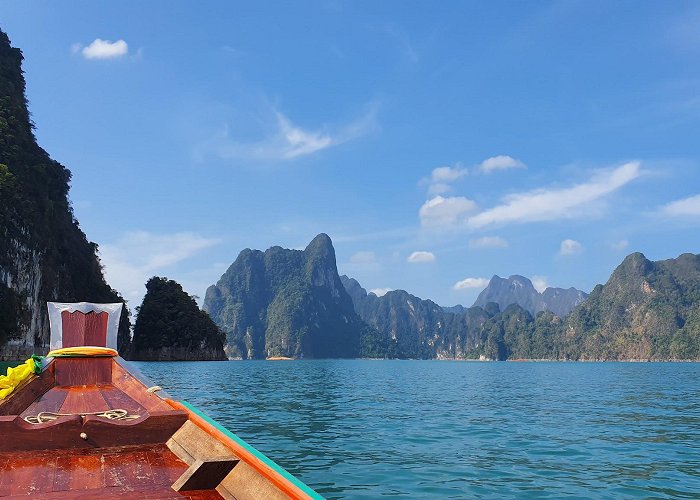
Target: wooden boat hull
165, 449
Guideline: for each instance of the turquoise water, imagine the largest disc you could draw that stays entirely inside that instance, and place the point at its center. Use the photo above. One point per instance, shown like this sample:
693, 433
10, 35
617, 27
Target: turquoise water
440, 429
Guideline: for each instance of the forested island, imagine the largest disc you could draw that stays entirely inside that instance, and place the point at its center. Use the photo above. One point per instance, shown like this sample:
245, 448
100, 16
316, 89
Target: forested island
170, 327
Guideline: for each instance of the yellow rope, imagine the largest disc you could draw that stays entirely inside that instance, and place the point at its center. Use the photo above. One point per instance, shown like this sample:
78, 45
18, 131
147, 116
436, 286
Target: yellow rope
49, 416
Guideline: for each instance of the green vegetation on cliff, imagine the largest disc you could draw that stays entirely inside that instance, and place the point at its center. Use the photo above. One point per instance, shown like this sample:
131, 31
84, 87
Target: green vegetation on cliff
287, 303
43, 253
647, 310
170, 326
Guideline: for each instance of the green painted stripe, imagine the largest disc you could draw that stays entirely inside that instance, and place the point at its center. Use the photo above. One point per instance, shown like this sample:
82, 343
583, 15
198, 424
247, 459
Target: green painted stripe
255, 452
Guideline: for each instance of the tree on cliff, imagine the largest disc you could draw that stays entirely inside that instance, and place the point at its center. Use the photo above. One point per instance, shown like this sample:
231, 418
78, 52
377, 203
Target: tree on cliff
171, 326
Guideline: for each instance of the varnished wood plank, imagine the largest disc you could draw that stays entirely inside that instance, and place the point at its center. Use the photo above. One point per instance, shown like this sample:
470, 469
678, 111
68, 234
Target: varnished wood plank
116, 398
18, 435
83, 371
51, 401
67, 474
84, 400
131, 470
4, 477
130, 385
157, 427
205, 474
78, 472
166, 467
117, 493
79, 328
202, 495
31, 478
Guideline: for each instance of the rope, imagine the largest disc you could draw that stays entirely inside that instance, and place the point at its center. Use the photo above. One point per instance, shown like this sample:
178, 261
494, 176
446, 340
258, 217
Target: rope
49, 416
153, 389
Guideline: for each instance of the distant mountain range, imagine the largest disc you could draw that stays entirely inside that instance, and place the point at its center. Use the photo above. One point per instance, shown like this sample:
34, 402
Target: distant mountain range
519, 290
293, 303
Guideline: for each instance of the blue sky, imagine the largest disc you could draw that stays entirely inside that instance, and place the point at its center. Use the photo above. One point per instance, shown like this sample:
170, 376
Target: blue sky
436, 143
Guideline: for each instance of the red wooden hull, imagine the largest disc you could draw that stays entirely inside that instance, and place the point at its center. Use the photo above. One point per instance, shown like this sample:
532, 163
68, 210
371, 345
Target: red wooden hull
164, 449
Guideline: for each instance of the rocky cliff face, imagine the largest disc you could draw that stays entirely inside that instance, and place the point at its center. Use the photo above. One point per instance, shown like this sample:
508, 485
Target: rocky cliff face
519, 290
414, 328
286, 303
43, 253
646, 310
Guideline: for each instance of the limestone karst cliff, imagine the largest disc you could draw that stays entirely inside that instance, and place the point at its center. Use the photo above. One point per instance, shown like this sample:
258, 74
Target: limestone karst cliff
44, 255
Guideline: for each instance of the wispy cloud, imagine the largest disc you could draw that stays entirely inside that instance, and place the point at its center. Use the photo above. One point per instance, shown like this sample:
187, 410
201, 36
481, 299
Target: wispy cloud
686, 207
420, 257
136, 256
379, 292
488, 242
363, 258
553, 204
500, 162
442, 178
470, 283
441, 212
102, 49
288, 141
570, 247
620, 245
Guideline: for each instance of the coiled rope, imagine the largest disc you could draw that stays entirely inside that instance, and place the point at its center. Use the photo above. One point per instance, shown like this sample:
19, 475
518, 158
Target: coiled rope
49, 416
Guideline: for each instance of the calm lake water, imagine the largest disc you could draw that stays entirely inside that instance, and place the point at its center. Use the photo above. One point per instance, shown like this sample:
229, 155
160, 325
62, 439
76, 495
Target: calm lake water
441, 429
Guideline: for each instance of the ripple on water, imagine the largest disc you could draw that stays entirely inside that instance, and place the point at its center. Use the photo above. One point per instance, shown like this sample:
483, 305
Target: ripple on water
354, 428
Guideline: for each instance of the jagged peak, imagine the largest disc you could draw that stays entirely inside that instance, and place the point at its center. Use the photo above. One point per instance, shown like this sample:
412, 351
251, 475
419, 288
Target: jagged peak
322, 241
635, 262
518, 277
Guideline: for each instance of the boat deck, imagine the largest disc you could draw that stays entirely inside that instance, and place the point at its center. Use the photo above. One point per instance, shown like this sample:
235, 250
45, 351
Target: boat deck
144, 472
78, 455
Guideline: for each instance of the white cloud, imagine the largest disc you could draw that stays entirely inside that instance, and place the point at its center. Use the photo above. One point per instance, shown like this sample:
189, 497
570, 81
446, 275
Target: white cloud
488, 242
103, 49
135, 257
448, 174
416, 257
552, 204
380, 291
445, 212
570, 247
299, 142
441, 178
363, 258
685, 207
540, 283
438, 188
287, 141
500, 162
471, 283
620, 245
